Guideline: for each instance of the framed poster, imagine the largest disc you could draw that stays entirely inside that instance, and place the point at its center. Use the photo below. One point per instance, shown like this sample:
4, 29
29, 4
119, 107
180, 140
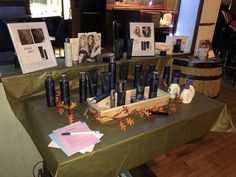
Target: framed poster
89, 47
32, 45
182, 40
143, 35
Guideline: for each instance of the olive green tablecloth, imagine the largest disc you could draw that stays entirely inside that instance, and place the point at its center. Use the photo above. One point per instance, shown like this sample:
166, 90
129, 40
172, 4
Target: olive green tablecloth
118, 151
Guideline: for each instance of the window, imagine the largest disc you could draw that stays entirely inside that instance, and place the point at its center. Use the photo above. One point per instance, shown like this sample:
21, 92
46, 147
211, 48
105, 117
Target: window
47, 8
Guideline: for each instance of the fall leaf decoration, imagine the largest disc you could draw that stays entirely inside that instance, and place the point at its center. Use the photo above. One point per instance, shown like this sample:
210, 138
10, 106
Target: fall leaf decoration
61, 108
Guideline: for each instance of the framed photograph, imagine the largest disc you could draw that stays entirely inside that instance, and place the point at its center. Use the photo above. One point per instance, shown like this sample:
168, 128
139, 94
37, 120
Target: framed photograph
141, 4
177, 41
32, 45
89, 47
143, 35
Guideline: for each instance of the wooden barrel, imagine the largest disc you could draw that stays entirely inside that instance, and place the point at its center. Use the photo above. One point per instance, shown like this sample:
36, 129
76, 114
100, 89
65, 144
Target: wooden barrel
206, 75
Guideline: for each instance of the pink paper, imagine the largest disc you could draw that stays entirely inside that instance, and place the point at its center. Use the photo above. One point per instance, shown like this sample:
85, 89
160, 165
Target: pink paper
74, 143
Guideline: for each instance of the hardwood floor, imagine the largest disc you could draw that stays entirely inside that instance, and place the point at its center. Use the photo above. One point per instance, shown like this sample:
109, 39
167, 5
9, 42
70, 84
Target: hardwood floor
212, 156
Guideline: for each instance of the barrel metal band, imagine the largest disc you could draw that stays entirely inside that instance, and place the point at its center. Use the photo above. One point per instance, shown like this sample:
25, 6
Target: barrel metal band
180, 62
204, 78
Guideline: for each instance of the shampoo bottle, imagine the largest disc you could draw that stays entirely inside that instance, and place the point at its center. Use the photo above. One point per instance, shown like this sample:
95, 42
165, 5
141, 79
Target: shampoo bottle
68, 53
65, 89
121, 92
174, 88
50, 90
192, 89
82, 87
186, 94
112, 70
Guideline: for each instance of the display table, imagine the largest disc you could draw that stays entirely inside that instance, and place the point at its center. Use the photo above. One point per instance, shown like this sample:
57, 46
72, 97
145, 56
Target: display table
118, 151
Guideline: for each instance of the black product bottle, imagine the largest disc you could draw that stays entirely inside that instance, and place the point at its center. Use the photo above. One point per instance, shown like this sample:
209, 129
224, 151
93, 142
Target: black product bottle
140, 86
92, 81
137, 70
112, 70
154, 80
106, 82
124, 70
166, 74
50, 90
121, 92
152, 68
65, 89
82, 87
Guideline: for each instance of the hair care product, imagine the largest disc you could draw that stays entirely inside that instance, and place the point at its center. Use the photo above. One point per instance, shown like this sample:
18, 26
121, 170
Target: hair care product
174, 88
93, 81
65, 89
82, 87
68, 53
186, 94
106, 82
166, 74
112, 70
129, 48
152, 68
112, 98
124, 70
154, 82
121, 92
50, 90
140, 86
137, 70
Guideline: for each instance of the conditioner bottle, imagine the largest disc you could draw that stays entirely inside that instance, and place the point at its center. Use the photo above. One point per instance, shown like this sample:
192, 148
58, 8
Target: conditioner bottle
174, 88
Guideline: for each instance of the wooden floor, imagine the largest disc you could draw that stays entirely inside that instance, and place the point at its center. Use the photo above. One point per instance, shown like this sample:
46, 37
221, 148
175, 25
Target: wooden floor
213, 156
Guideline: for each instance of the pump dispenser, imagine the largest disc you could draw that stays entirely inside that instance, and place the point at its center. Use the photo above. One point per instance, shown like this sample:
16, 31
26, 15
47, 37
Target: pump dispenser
174, 88
186, 94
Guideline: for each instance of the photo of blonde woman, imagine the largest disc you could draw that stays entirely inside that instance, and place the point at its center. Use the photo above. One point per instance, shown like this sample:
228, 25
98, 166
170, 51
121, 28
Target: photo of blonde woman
96, 51
137, 31
83, 48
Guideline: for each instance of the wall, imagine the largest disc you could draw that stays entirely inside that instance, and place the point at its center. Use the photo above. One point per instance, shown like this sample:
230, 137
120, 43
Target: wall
17, 151
208, 20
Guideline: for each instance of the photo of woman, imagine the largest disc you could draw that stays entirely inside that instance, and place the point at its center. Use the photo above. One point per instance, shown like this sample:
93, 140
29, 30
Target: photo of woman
83, 48
96, 51
25, 36
137, 31
90, 40
89, 47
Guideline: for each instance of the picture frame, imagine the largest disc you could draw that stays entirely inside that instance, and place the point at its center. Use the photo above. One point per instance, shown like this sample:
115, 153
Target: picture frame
172, 40
143, 35
32, 45
89, 47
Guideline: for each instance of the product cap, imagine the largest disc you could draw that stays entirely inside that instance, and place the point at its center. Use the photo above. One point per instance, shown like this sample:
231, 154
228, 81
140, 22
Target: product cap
48, 75
83, 75
175, 80
190, 82
186, 86
138, 67
121, 86
152, 68
112, 59
63, 76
